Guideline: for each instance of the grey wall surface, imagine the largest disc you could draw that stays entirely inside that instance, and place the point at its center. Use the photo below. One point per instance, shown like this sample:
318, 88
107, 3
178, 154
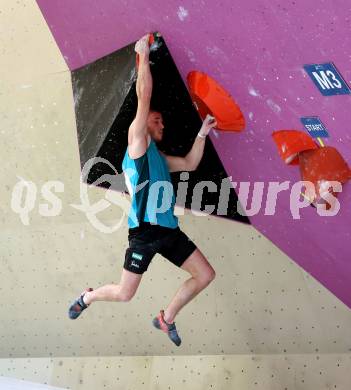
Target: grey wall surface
99, 92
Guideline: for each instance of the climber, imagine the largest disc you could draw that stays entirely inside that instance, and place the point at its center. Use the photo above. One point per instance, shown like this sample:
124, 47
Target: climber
153, 228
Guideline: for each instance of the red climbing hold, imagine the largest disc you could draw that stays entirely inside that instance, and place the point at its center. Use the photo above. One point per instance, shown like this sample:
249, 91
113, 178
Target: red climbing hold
210, 98
292, 142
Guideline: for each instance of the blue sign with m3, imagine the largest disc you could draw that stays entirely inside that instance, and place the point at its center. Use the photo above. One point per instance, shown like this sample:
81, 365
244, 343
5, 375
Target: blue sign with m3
327, 79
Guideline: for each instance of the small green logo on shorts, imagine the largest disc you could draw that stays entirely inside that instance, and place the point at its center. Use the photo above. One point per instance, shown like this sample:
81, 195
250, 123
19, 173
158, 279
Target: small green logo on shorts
136, 256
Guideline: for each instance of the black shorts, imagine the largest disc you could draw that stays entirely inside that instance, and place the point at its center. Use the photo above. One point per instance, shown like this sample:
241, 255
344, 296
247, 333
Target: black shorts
146, 240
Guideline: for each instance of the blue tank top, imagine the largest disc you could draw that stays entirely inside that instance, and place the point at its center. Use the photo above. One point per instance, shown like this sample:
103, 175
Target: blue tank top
151, 190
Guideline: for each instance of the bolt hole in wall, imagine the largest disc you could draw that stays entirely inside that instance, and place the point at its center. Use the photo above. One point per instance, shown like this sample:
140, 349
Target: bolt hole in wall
105, 92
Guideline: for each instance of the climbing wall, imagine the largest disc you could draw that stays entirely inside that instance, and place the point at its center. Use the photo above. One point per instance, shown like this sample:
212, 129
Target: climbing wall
263, 323
265, 75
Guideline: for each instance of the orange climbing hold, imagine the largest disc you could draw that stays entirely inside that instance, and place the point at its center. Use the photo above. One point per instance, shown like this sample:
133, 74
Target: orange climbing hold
292, 142
210, 98
321, 167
